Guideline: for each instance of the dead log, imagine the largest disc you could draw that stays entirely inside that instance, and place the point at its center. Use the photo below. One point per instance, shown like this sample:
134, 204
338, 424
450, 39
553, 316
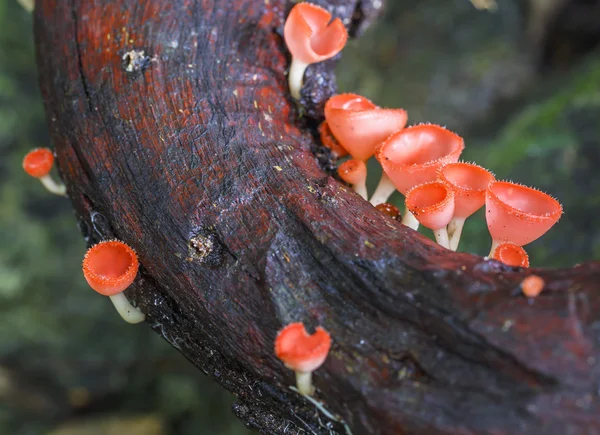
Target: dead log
175, 133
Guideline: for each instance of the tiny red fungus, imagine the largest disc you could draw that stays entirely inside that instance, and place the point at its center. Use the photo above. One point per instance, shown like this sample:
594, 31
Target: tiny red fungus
413, 156
109, 268
302, 353
518, 214
329, 141
311, 36
469, 182
360, 127
511, 255
389, 209
532, 286
38, 163
354, 172
432, 204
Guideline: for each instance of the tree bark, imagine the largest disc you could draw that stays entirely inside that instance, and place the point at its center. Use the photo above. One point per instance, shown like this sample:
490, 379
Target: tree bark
175, 133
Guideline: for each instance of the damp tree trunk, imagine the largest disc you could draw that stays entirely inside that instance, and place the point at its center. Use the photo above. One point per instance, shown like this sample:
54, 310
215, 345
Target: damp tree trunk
175, 133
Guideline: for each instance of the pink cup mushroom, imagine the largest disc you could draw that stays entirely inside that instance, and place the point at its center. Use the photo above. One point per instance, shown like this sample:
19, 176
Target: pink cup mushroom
414, 155
311, 36
518, 214
109, 268
432, 204
511, 255
354, 172
469, 182
360, 127
38, 163
302, 353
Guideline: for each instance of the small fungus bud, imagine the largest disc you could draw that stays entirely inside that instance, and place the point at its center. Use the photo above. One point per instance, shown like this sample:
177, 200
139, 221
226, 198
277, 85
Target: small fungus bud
38, 163
532, 286
311, 36
329, 141
511, 255
389, 209
302, 353
109, 268
354, 172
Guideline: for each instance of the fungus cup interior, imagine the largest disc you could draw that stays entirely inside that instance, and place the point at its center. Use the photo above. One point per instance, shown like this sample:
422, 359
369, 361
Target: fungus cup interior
432, 204
519, 214
511, 255
300, 351
110, 267
413, 155
469, 183
311, 34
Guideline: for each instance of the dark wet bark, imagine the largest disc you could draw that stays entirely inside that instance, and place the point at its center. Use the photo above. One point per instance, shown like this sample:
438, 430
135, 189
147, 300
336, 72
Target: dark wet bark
175, 133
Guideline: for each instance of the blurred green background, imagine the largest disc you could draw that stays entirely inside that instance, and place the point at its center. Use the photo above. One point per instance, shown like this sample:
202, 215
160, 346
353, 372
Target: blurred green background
521, 84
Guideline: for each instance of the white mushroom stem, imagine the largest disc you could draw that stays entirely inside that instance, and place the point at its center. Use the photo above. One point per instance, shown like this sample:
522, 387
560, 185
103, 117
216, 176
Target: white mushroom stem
128, 312
410, 220
441, 236
361, 189
53, 186
384, 190
455, 228
304, 383
296, 77
27, 4
495, 244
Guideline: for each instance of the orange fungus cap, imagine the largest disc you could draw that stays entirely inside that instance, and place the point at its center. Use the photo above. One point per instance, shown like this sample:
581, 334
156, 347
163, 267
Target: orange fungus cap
353, 171
110, 267
300, 351
511, 255
432, 204
414, 155
532, 286
469, 182
38, 162
311, 36
519, 214
359, 125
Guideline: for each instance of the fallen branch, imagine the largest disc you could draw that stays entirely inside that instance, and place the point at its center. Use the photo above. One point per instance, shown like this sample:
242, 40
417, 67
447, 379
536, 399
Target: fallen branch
175, 133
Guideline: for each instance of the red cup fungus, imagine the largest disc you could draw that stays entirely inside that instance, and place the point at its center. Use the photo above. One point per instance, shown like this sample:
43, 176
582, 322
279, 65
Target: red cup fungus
311, 36
511, 255
354, 172
414, 155
38, 163
518, 214
109, 268
469, 182
432, 204
329, 141
302, 353
532, 286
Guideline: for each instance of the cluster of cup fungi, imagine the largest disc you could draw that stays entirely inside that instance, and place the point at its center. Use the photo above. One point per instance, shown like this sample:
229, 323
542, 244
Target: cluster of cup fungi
420, 161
